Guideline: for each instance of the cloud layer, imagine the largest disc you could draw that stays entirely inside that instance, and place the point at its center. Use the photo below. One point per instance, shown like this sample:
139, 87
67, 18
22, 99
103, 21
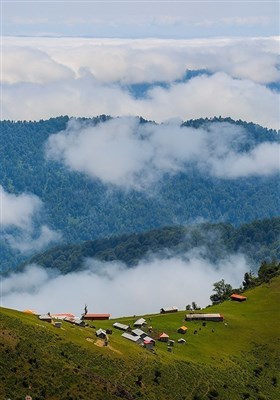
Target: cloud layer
129, 154
143, 289
87, 77
17, 214
18, 210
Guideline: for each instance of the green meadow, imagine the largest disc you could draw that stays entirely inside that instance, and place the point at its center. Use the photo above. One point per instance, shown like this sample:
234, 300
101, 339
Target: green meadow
234, 359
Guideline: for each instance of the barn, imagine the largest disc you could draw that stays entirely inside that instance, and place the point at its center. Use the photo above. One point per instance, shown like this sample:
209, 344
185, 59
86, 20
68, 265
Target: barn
167, 310
204, 317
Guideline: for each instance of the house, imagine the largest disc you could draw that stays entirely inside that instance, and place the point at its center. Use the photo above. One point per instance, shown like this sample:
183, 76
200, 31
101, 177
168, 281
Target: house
140, 322
139, 332
149, 344
168, 310
45, 317
204, 317
181, 341
238, 297
101, 333
135, 339
182, 329
62, 316
120, 326
95, 317
163, 337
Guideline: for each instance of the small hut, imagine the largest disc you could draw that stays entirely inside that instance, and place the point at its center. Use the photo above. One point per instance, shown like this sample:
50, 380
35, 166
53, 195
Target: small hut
238, 297
181, 341
163, 337
101, 333
182, 329
140, 322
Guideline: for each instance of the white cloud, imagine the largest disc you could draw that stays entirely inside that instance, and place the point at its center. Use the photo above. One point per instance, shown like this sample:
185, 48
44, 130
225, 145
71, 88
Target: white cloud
142, 289
17, 214
26, 243
46, 77
26, 64
18, 210
126, 153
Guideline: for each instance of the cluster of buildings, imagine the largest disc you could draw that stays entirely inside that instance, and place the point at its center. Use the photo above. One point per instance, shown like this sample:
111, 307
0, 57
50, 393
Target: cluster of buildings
135, 334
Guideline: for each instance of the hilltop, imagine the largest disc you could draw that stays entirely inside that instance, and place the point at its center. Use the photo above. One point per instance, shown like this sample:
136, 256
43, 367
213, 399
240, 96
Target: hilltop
235, 359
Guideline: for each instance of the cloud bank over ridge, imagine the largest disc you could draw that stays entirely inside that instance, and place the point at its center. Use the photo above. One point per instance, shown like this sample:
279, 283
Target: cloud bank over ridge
129, 154
88, 77
113, 288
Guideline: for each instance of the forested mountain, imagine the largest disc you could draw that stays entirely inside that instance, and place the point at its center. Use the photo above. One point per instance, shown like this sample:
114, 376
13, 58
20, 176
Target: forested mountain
81, 208
258, 241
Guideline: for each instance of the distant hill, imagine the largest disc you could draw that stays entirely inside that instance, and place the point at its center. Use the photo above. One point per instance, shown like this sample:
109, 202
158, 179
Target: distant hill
83, 209
259, 240
235, 359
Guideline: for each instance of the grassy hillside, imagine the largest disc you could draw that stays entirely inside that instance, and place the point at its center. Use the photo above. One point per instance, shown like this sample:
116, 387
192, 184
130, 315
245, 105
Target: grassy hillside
237, 359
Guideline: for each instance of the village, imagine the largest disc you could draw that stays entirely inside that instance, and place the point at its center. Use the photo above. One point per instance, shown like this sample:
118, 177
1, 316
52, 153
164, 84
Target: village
141, 332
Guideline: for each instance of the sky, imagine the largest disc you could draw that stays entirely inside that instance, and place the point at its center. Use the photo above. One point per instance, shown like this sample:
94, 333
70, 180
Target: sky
140, 19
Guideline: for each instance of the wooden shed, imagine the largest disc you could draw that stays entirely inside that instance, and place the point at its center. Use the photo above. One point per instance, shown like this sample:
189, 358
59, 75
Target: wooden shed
238, 297
163, 337
182, 329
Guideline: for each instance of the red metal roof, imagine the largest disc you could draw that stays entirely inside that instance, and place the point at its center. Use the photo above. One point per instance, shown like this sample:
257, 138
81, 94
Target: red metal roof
163, 335
238, 296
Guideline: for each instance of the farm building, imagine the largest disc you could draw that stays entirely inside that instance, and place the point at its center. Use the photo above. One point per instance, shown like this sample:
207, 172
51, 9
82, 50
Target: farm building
57, 324
181, 341
101, 333
95, 317
139, 332
140, 322
45, 317
149, 344
182, 329
120, 326
135, 339
168, 310
238, 297
204, 317
163, 337
62, 316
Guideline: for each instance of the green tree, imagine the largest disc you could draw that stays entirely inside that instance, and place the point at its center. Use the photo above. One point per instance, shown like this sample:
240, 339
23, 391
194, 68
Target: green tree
222, 291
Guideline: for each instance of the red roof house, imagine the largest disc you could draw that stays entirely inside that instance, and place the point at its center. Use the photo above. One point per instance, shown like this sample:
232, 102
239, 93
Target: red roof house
163, 337
94, 317
237, 297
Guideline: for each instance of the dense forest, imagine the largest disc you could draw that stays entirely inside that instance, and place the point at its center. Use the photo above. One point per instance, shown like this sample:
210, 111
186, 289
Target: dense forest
84, 209
258, 241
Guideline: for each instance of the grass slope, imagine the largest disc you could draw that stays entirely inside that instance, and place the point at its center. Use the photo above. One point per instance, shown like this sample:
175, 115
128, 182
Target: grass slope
237, 359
